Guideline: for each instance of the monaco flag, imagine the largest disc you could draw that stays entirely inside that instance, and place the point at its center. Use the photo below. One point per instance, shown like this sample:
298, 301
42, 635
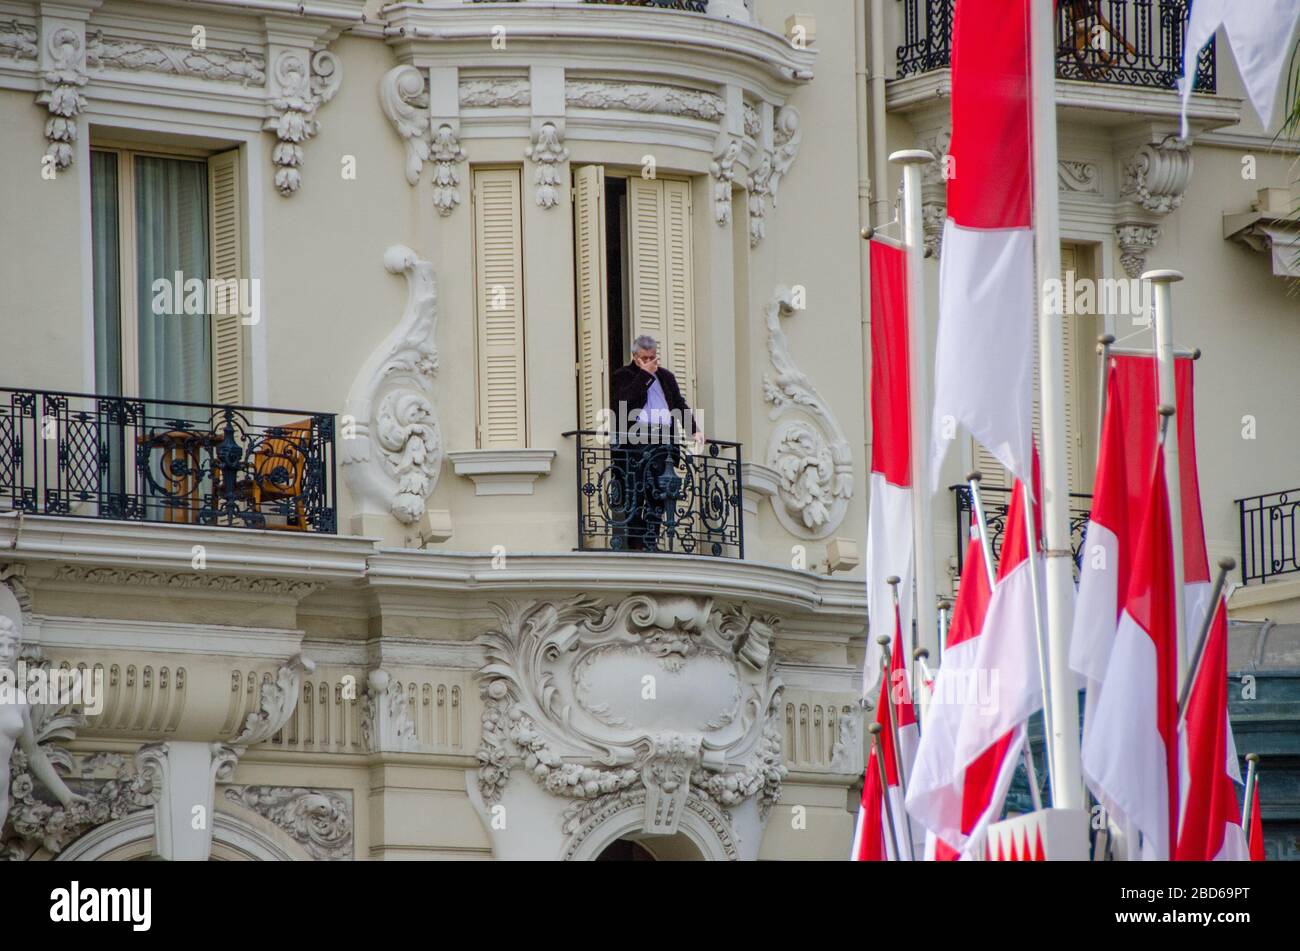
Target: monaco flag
872, 841
1130, 754
889, 522
984, 356
1261, 34
986, 689
1127, 452
1211, 822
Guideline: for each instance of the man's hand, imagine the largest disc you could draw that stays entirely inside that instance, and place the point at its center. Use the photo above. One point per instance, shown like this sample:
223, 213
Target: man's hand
647, 362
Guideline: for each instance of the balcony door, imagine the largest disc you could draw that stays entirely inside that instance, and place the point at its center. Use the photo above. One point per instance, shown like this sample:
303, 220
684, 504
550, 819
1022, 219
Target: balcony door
163, 226
633, 275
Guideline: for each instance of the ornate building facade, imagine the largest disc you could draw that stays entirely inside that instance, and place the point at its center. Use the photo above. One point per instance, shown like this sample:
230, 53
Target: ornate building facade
415, 620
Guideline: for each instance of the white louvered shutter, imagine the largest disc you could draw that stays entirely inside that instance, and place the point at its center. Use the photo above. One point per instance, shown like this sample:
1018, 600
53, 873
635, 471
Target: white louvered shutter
679, 290
663, 293
590, 262
226, 248
499, 294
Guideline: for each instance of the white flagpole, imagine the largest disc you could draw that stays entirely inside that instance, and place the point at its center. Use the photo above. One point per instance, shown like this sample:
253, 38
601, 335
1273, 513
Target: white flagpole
1163, 282
918, 362
1066, 768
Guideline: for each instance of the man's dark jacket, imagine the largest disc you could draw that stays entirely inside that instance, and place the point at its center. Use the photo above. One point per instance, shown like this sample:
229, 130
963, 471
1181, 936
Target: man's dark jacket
631, 385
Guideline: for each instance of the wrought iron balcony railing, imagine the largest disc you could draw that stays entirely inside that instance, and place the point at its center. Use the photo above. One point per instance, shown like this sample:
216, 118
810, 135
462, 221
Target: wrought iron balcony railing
1270, 535
997, 500
1121, 42
659, 497
115, 457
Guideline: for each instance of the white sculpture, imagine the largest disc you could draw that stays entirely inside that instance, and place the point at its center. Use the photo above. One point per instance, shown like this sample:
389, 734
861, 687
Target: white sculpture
16, 729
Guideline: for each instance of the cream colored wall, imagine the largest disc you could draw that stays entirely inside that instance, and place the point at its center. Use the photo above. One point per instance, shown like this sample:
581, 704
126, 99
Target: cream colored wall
41, 306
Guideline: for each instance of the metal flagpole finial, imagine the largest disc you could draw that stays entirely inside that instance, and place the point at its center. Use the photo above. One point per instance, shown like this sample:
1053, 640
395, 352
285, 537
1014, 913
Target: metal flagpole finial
874, 729
1166, 414
975, 476
868, 233
1163, 276
920, 654
1104, 343
883, 640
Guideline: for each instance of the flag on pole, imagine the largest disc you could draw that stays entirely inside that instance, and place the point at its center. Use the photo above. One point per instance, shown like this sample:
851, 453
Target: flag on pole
984, 357
1211, 822
1130, 755
1256, 825
872, 841
1261, 34
889, 521
1129, 436
986, 689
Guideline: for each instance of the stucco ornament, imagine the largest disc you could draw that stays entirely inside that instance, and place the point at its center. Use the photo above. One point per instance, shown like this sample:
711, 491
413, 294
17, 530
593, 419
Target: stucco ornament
807, 447
760, 190
723, 169
393, 458
64, 78
664, 699
547, 153
302, 86
1157, 175
405, 101
386, 724
318, 820
276, 704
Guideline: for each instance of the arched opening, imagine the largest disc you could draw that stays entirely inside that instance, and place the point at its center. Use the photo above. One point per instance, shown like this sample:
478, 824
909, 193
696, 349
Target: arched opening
659, 848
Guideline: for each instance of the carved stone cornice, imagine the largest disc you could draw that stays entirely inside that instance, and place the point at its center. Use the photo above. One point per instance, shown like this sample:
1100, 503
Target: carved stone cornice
810, 452
393, 460
139, 577
243, 66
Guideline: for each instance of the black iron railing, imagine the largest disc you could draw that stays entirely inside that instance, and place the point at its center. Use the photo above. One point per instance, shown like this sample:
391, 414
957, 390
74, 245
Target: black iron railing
1270, 535
1121, 42
117, 457
659, 497
997, 501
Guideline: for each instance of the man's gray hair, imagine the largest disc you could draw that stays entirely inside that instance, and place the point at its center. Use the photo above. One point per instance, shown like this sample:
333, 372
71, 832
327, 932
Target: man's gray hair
643, 343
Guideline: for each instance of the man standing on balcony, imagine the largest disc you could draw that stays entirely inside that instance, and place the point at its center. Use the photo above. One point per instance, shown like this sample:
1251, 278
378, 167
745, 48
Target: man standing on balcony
646, 454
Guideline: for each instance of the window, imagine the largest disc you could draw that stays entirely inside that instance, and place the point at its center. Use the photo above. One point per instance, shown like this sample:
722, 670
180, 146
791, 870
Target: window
159, 224
633, 275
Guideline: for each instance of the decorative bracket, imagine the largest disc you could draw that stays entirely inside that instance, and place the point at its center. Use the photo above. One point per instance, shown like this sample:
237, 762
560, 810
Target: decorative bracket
1157, 175
547, 152
301, 82
276, 704
1136, 240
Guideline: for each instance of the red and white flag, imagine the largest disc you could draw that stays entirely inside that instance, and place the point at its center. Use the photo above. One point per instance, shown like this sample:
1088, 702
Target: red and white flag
984, 358
1261, 33
889, 520
1211, 822
1130, 754
986, 689
1127, 452
872, 841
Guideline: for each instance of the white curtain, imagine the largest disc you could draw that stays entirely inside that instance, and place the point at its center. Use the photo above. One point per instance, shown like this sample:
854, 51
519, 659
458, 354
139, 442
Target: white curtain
171, 199
107, 290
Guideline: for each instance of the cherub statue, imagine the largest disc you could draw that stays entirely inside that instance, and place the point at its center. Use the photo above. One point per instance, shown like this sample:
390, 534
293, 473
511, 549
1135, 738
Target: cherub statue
16, 727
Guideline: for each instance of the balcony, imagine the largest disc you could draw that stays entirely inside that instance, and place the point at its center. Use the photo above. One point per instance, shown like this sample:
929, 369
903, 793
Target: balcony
651, 497
996, 503
1118, 42
122, 458
1270, 536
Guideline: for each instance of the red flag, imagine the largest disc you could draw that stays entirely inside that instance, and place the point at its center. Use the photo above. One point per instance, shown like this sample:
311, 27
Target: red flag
984, 357
889, 522
1211, 822
1256, 826
1130, 756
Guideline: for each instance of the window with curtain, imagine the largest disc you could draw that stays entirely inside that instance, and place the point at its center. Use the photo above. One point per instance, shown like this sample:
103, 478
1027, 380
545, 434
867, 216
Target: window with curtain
149, 222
